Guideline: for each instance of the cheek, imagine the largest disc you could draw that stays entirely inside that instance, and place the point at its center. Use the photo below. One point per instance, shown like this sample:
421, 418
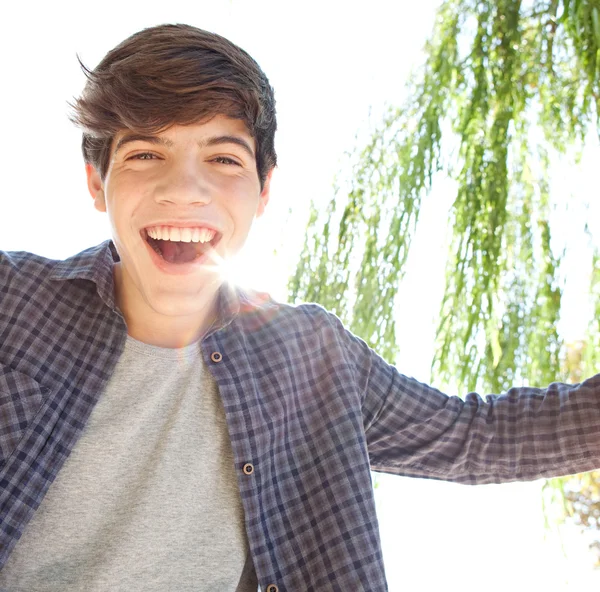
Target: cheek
241, 184
244, 213
123, 205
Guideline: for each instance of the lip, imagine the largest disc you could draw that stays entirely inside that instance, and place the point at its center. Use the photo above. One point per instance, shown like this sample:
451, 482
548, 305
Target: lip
183, 224
188, 224
203, 261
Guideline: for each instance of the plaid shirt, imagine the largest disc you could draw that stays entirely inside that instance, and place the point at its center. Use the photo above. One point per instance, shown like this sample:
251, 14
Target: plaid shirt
310, 410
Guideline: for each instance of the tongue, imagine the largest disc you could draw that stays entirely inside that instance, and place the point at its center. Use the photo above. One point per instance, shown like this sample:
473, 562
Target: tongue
178, 252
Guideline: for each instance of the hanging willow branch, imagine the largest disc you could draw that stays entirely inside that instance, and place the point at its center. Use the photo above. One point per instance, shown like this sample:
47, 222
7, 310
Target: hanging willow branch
353, 267
505, 85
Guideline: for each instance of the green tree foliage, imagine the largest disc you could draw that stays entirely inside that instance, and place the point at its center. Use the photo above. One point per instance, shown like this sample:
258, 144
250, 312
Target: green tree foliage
507, 85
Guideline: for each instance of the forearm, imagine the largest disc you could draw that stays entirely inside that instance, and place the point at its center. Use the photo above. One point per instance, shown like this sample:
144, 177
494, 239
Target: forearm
524, 434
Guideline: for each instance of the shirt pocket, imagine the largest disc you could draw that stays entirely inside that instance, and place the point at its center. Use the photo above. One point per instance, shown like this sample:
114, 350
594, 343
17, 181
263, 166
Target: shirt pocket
20, 399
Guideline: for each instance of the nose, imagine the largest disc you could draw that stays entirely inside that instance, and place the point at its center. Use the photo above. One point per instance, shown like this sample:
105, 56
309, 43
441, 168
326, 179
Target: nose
183, 184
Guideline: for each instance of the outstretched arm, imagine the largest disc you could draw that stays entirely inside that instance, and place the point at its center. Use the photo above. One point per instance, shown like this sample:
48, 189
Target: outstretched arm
527, 433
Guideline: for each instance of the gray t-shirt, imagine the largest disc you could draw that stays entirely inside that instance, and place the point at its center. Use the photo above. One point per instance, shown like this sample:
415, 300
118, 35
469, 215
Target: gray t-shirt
148, 499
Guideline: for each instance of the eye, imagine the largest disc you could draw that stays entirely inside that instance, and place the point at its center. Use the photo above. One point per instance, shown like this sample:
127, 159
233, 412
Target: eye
226, 160
142, 156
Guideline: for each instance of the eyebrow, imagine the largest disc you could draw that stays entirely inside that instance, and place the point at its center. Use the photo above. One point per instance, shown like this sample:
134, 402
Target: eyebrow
212, 141
127, 138
217, 140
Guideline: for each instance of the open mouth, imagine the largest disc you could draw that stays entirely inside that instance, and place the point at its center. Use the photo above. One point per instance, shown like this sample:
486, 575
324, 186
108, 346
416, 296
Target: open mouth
172, 249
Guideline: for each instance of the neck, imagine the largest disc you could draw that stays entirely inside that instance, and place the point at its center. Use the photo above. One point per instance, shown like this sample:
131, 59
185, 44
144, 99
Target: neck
168, 332
150, 326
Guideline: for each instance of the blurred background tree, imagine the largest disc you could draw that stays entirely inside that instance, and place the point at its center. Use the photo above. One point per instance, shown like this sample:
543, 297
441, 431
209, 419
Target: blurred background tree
507, 87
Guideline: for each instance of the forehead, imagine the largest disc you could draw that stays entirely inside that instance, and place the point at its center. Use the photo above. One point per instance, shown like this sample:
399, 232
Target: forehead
217, 130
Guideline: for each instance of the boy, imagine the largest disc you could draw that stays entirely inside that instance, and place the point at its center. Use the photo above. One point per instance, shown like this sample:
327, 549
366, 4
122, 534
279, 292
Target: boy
162, 430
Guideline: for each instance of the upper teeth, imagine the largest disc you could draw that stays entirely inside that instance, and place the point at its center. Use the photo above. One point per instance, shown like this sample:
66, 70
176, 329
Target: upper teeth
185, 235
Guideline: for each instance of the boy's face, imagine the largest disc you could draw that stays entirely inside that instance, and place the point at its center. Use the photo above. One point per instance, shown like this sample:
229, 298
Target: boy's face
179, 204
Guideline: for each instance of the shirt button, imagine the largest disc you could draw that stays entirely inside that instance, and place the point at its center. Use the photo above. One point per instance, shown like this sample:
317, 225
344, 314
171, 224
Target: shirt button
216, 357
249, 469
272, 588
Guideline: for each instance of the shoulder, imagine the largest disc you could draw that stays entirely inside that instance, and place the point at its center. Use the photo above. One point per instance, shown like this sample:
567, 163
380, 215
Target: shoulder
16, 265
311, 316
25, 288
24, 275
269, 320
275, 315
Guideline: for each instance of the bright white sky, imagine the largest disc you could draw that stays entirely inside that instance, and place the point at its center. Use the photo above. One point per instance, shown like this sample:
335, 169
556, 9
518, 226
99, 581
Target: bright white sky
331, 64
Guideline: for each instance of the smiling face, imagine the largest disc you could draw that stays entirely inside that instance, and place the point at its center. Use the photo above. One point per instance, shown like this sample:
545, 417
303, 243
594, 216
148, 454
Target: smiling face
179, 204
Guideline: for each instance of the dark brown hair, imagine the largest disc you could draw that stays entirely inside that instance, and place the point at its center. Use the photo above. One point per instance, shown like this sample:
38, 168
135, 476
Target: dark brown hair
173, 74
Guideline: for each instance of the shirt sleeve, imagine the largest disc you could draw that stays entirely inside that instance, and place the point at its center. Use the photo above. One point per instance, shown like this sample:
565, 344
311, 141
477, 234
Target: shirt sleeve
526, 433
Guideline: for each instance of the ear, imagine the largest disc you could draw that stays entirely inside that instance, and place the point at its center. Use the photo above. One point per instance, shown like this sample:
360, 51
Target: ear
95, 187
263, 199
